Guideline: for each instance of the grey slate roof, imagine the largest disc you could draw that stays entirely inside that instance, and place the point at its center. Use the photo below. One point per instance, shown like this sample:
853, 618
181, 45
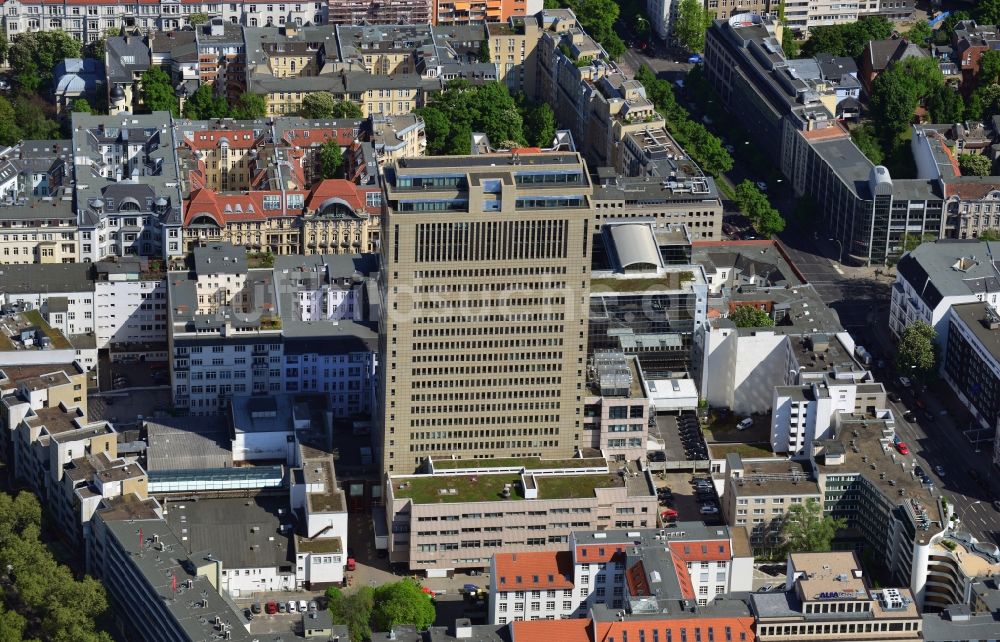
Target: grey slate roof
46, 277
125, 56
185, 443
929, 268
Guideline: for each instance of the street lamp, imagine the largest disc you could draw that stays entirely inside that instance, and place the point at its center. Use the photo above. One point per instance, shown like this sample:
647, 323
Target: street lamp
840, 254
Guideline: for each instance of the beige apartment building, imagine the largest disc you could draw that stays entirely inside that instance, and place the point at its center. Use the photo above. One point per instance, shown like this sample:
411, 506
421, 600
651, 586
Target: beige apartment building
44, 231
486, 275
461, 512
512, 47
758, 494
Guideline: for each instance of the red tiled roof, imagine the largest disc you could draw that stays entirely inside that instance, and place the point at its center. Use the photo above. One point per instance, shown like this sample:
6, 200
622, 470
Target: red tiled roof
969, 191
542, 570
232, 207
596, 553
683, 577
707, 551
635, 577
605, 631
577, 630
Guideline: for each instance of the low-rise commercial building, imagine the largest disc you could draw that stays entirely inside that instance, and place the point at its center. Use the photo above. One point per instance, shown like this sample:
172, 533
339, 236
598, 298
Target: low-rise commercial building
827, 597
461, 512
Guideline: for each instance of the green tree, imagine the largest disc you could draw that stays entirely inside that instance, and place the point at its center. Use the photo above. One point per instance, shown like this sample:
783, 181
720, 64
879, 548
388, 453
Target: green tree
203, 104
989, 235
10, 133
894, 97
917, 353
346, 109
484, 51
4, 46
747, 316
29, 111
539, 124
984, 102
945, 105
80, 105
920, 32
864, 137
461, 109
331, 157
692, 22
789, 44
402, 603
975, 165
641, 25
767, 220
806, 530
353, 611
12, 625
318, 104
196, 19
846, 39
988, 12
249, 107
989, 67
33, 56
158, 92
97, 48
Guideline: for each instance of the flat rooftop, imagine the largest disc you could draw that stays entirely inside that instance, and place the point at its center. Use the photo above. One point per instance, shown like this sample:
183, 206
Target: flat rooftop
824, 573
36, 377
528, 463
56, 420
186, 443
453, 489
780, 477
242, 532
973, 315
12, 325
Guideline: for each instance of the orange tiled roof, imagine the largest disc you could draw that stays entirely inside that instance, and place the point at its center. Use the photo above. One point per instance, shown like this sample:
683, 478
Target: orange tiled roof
542, 570
596, 553
740, 629
710, 551
577, 630
310, 136
210, 139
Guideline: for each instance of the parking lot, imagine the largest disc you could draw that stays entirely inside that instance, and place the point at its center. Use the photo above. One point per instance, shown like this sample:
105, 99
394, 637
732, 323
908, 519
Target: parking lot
124, 376
125, 407
680, 436
686, 500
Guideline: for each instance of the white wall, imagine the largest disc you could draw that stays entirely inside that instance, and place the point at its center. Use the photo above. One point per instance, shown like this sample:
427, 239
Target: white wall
241, 582
121, 317
320, 568
251, 446
761, 363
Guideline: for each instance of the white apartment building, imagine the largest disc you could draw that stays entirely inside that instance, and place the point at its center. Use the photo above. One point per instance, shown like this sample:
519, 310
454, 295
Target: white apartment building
706, 561
238, 331
88, 23
935, 276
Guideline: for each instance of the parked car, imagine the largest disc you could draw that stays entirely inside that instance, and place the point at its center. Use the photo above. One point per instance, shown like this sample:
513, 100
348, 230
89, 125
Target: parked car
904, 381
351, 564
248, 614
292, 608
761, 185
271, 608
903, 448
303, 606
939, 469
910, 416
282, 607
894, 397
670, 513
745, 423
694, 59
256, 608
708, 510
313, 606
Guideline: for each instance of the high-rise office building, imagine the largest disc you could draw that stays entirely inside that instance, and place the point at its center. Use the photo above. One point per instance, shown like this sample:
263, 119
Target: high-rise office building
486, 278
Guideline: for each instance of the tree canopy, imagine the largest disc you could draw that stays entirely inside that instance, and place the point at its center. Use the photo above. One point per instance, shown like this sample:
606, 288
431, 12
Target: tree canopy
203, 104
703, 146
33, 56
920, 32
867, 141
196, 19
789, 44
249, 107
988, 11
752, 202
692, 22
381, 608
317, 104
539, 122
747, 316
846, 39
806, 530
158, 92
975, 165
30, 114
331, 158
917, 353
898, 90
42, 599
346, 109
462, 109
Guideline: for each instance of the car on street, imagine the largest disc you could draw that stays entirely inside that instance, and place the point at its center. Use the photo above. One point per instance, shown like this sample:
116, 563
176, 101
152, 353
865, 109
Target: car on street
745, 424
764, 589
903, 448
729, 148
920, 403
904, 381
761, 185
910, 416
939, 469
894, 397
694, 59
708, 510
